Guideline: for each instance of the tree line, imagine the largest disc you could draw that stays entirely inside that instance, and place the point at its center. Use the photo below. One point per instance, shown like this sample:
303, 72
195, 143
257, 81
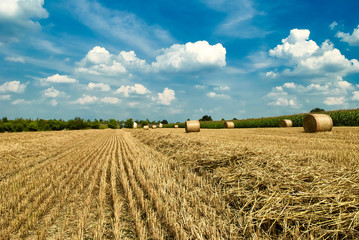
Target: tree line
21, 124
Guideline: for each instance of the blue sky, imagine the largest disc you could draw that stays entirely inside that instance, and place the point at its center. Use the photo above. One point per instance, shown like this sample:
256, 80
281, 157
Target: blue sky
177, 59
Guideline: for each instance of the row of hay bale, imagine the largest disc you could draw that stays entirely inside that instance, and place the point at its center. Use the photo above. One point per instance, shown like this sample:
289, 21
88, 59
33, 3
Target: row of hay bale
312, 123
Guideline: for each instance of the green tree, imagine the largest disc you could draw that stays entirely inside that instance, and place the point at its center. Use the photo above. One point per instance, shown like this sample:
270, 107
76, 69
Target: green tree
164, 122
129, 123
112, 123
317, 110
32, 126
206, 118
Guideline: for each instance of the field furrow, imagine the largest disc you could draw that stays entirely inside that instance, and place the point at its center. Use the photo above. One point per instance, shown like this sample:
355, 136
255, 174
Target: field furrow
165, 184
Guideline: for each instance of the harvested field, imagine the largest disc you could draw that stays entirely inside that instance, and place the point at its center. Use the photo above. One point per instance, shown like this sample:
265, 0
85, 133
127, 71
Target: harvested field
166, 184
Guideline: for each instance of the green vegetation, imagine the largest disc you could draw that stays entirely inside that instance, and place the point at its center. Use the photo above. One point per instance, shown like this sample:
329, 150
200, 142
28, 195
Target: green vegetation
340, 118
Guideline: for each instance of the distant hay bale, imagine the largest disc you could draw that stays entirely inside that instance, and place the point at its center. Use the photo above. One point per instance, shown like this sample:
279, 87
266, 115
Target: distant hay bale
5, 132
317, 123
192, 126
134, 125
153, 126
160, 125
146, 127
176, 126
228, 124
285, 123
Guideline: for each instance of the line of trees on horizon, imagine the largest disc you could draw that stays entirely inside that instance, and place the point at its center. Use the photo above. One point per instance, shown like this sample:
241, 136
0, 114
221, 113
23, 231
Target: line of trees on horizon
21, 124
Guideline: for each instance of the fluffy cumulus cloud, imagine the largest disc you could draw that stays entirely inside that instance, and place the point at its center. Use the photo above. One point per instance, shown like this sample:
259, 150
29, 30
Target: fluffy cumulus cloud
102, 86
166, 97
304, 57
99, 61
352, 39
86, 99
355, 96
110, 100
334, 101
13, 86
18, 17
190, 57
51, 92
279, 97
321, 68
178, 58
136, 88
60, 79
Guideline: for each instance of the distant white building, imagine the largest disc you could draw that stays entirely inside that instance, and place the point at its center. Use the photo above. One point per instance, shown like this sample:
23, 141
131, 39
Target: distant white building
160, 125
134, 125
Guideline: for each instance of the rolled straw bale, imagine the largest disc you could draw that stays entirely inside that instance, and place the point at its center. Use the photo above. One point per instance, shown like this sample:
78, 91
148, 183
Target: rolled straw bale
153, 126
192, 126
146, 127
228, 124
285, 123
176, 126
160, 125
134, 125
317, 123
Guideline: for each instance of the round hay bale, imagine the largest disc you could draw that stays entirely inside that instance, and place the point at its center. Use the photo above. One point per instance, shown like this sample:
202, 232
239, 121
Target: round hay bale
317, 123
160, 125
153, 126
285, 123
228, 124
192, 126
176, 126
146, 127
134, 125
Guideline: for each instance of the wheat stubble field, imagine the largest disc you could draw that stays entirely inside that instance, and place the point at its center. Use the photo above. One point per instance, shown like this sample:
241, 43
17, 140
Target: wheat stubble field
271, 183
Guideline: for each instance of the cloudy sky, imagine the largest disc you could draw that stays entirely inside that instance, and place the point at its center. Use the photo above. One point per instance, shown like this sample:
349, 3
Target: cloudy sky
175, 60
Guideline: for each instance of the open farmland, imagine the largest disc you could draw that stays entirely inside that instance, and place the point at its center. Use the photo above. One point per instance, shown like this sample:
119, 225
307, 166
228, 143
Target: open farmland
166, 184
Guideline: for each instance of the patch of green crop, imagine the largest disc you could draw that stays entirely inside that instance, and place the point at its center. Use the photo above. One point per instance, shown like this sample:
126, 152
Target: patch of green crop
340, 118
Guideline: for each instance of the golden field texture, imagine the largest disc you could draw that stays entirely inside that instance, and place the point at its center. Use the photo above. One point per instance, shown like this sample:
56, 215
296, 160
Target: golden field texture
166, 184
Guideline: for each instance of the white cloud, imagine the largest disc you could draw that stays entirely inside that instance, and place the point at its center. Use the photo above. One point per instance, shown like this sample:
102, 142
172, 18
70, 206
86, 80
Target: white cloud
190, 57
5, 97
60, 79
355, 96
216, 95
18, 17
279, 97
333, 25
221, 88
352, 39
201, 87
99, 61
308, 59
51, 92
15, 59
102, 86
166, 97
20, 101
271, 74
110, 100
289, 85
334, 101
136, 88
86, 99
13, 86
